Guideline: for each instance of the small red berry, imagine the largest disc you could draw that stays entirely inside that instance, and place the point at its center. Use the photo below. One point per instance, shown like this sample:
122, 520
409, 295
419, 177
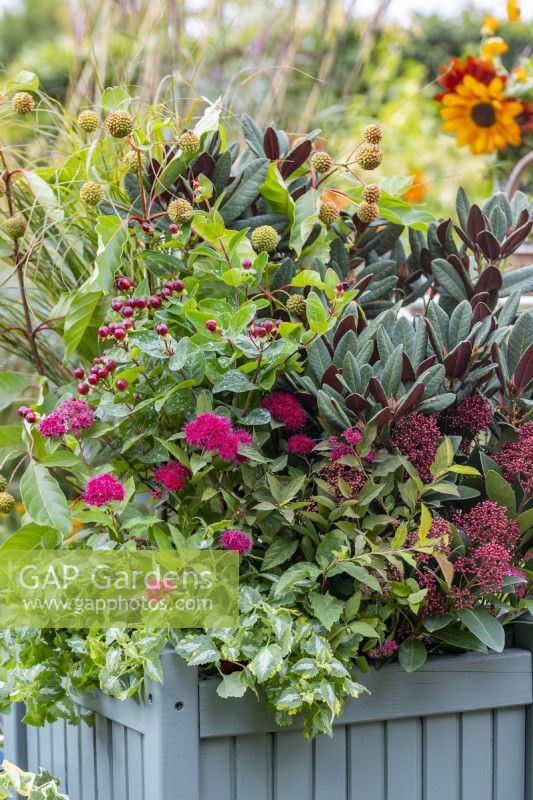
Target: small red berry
83, 388
247, 263
155, 301
147, 228
161, 329
103, 331
128, 324
260, 331
120, 334
94, 369
339, 288
122, 384
211, 325
110, 365
79, 373
127, 311
99, 359
93, 379
166, 292
102, 372
173, 228
116, 304
141, 302
178, 285
23, 410
268, 325
31, 417
124, 284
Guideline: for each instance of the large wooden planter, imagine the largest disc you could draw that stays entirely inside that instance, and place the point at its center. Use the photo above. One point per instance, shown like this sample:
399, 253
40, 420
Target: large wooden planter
459, 729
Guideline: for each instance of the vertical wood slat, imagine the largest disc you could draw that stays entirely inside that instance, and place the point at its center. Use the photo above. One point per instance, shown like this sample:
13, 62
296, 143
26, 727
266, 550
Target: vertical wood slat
15, 736
253, 767
73, 773
403, 764
476, 754
509, 759
523, 637
58, 766
87, 759
216, 769
440, 753
294, 758
33, 759
134, 765
103, 756
118, 780
366, 761
330, 765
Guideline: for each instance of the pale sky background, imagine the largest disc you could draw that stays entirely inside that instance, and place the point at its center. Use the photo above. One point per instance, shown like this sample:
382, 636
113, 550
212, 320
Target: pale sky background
401, 9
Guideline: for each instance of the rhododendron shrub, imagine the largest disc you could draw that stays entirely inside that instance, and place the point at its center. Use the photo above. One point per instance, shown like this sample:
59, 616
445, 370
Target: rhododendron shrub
237, 375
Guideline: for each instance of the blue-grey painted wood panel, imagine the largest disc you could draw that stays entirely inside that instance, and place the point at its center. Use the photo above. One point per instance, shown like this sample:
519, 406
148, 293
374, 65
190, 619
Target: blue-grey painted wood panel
179, 744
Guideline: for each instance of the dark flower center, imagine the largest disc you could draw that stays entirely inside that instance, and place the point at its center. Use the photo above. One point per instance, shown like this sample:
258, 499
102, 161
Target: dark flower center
483, 115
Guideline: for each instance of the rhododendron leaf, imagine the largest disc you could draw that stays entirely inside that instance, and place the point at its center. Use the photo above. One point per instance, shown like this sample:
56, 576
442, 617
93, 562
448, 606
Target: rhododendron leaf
412, 654
448, 278
484, 626
499, 490
44, 501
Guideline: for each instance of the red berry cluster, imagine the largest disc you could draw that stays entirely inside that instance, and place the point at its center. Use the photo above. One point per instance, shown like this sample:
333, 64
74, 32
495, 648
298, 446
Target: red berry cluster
27, 414
100, 371
127, 307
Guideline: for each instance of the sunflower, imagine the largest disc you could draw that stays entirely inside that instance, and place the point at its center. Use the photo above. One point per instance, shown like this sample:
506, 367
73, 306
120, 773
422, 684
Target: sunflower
481, 116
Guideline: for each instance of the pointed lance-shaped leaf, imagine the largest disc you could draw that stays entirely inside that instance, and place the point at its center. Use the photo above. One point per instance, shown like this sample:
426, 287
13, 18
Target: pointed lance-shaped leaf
295, 158
489, 245
271, 144
524, 371
376, 390
456, 362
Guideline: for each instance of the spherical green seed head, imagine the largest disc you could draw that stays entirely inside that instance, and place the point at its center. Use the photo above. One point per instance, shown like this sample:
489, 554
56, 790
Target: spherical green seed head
7, 502
264, 238
369, 156
371, 193
368, 212
88, 121
373, 134
189, 143
321, 162
119, 124
16, 226
134, 162
3, 482
91, 193
23, 103
296, 305
179, 210
328, 213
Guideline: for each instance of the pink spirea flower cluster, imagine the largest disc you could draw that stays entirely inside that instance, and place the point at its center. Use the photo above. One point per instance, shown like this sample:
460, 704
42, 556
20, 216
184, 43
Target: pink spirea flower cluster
236, 540
102, 489
71, 415
216, 434
300, 444
488, 522
516, 458
338, 448
472, 416
352, 435
172, 476
285, 408
385, 650
416, 437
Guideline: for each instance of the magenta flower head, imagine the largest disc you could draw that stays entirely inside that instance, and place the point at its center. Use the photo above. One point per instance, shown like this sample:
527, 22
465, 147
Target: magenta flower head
353, 435
52, 426
300, 444
215, 434
338, 448
102, 489
371, 456
236, 540
285, 408
77, 414
172, 476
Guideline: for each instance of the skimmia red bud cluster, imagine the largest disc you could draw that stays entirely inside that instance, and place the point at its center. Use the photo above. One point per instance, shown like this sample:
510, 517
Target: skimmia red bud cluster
516, 458
471, 417
416, 436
